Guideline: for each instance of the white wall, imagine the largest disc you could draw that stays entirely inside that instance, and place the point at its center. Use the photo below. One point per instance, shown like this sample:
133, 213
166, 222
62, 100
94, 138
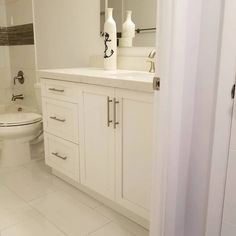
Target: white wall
5, 70
3, 21
19, 12
144, 16
15, 58
22, 57
117, 13
67, 32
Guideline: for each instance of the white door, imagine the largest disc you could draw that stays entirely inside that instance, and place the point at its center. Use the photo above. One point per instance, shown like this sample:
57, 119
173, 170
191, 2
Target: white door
97, 139
229, 211
221, 216
134, 140
229, 216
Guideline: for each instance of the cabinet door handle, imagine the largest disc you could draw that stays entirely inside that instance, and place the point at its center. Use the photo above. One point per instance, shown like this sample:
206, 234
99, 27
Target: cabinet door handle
59, 156
109, 121
115, 113
57, 119
57, 90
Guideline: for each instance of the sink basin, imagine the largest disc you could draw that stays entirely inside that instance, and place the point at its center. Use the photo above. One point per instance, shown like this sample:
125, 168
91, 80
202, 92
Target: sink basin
132, 74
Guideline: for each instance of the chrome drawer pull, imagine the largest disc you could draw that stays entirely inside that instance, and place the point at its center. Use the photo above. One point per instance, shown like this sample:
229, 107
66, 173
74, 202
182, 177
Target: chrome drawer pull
115, 113
57, 90
57, 155
57, 119
109, 121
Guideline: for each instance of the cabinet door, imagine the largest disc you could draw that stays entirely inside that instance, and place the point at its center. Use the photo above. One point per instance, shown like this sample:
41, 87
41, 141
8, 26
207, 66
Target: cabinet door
134, 150
97, 142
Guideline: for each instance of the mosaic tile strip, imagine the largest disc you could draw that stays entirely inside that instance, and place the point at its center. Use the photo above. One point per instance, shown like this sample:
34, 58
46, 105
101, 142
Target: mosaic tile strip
4, 36
17, 35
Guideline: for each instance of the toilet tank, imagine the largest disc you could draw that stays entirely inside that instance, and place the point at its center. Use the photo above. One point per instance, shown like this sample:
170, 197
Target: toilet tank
37, 88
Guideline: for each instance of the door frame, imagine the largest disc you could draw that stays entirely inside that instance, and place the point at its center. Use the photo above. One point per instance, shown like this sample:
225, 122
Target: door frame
223, 121
178, 42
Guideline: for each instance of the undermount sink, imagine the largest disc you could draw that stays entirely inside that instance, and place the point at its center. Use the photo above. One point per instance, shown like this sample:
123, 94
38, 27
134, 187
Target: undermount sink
132, 74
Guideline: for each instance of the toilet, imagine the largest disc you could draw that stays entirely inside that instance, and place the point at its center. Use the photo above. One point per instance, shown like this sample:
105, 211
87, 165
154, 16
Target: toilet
17, 130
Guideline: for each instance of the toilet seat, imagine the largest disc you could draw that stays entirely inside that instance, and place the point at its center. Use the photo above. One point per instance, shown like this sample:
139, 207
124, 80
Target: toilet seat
19, 119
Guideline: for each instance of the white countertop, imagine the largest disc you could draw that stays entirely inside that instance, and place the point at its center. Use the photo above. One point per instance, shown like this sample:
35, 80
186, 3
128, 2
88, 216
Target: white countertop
126, 79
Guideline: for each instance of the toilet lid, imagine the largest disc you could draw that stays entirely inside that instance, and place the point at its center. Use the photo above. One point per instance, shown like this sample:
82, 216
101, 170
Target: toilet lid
20, 118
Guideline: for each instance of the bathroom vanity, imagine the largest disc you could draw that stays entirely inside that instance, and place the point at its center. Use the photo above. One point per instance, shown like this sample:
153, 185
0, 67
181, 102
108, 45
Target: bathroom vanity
98, 134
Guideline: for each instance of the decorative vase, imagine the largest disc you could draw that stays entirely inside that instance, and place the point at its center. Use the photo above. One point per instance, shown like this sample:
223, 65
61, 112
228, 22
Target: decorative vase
128, 30
110, 41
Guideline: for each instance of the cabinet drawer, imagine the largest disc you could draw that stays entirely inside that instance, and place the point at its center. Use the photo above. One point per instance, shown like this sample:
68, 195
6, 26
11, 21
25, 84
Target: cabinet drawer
61, 119
62, 155
59, 90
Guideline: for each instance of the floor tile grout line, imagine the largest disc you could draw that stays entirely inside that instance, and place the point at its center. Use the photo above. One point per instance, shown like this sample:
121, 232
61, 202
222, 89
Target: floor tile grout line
32, 208
99, 228
61, 189
28, 201
57, 190
118, 222
56, 226
23, 200
23, 221
94, 209
54, 191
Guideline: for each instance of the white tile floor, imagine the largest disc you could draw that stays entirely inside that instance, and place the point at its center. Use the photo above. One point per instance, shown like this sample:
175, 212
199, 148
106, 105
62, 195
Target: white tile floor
35, 203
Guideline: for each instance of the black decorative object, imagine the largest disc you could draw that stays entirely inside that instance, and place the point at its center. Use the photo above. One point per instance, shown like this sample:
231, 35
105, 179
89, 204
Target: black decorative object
106, 40
110, 41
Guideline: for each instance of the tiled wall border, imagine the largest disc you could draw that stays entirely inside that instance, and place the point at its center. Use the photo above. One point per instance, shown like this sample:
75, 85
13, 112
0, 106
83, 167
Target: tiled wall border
17, 35
4, 36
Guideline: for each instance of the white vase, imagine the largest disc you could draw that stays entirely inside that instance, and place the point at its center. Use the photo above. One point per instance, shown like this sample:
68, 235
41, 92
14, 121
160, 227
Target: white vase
110, 41
128, 27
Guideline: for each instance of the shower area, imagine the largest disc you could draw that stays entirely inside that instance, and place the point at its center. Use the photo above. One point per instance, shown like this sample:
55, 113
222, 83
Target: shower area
17, 60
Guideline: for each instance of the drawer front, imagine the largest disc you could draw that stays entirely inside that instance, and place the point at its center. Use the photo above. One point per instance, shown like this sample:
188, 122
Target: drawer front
62, 155
61, 119
64, 91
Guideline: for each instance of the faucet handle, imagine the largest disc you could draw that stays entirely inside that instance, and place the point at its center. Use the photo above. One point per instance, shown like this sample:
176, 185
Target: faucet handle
152, 54
152, 66
19, 77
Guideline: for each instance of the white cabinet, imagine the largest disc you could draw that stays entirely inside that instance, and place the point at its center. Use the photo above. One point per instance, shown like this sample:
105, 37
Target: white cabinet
134, 150
102, 138
116, 126
97, 140
61, 127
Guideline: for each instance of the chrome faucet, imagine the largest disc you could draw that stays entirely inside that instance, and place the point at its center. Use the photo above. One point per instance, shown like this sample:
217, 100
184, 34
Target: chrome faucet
17, 97
151, 57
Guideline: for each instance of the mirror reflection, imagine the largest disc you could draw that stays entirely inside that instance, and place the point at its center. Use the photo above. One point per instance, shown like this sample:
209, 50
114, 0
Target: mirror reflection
143, 16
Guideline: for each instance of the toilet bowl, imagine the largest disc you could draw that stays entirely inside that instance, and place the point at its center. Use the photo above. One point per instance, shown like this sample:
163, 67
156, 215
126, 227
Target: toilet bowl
16, 132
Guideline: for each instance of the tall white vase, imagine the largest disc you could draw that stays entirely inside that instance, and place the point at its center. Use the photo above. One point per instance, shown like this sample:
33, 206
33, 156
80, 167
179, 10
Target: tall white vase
110, 42
128, 31
128, 27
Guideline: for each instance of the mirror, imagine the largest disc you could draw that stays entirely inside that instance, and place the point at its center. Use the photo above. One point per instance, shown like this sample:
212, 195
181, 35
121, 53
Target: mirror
143, 15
